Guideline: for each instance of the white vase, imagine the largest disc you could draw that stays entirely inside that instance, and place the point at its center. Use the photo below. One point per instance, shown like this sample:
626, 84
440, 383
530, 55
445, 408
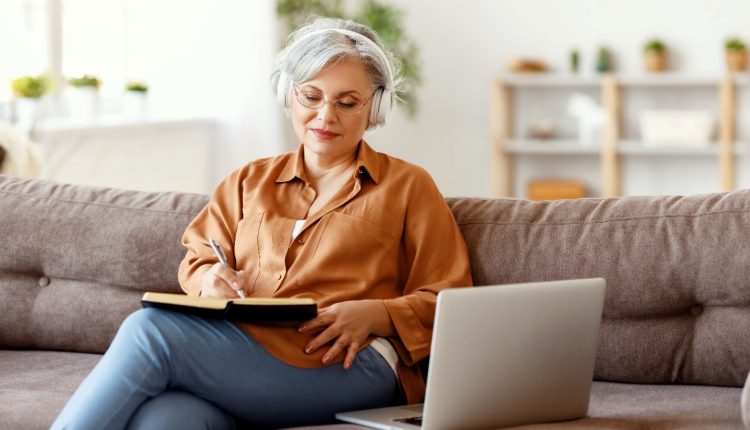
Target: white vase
135, 104
83, 103
26, 113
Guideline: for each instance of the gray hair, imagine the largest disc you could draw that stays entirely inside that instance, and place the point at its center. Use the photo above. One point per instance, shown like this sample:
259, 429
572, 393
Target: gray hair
303, 60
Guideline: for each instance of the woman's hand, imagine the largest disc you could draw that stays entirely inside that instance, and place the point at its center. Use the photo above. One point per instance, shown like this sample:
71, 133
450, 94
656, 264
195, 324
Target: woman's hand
221, 282
348, 324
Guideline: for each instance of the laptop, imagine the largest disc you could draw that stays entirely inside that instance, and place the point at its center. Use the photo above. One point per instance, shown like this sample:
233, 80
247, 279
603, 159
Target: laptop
503, 356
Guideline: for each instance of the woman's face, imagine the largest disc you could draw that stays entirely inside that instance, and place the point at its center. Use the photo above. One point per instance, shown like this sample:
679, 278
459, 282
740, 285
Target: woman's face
333, 130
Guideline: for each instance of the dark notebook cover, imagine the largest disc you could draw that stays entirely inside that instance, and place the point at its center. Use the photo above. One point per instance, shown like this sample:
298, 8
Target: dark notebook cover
256, 310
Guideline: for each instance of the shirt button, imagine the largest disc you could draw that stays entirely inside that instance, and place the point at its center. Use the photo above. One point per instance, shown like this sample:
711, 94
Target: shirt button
281, 275
43, 281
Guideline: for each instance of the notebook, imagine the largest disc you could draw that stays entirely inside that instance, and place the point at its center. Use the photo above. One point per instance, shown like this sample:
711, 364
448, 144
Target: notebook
505, 355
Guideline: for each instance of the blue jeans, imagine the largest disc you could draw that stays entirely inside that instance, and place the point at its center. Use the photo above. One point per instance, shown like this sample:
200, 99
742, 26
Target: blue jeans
169, 370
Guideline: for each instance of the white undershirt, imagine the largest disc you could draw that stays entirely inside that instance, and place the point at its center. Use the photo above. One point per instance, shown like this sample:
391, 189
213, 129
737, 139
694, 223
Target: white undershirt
380, 344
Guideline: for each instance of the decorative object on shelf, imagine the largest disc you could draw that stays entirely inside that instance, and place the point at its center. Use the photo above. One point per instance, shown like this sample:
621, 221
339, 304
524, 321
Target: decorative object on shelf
27, 91
527, 65
386, 19
590, 118
83, 97
603, 60
574, 61
542, 129
736, 54
655, 56
555, 189
135, 99
684, 128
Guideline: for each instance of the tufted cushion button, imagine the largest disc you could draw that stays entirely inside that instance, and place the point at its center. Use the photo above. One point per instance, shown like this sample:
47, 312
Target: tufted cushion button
43, 281
696, 310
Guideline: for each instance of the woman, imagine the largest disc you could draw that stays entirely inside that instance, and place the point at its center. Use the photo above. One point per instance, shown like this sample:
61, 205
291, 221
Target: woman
366, 235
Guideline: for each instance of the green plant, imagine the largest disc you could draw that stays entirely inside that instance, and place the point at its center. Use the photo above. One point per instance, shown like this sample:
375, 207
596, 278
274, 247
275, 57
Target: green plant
655, 46
385, 19
32, 87
85, 81
136, 86
735, 44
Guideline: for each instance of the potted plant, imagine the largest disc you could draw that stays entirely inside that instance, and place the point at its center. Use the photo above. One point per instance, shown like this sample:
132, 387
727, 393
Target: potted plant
27, 91
84, 96
135, 98
603, 60
655, 56
736, 54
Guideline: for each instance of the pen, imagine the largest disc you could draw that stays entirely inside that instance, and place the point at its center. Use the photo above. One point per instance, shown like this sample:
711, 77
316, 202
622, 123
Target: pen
223, 260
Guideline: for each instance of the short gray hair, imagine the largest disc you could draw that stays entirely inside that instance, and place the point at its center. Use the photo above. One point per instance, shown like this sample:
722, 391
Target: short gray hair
303, 60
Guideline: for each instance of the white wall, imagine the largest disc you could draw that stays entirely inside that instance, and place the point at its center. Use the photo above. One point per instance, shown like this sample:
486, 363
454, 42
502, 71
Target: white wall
465, 44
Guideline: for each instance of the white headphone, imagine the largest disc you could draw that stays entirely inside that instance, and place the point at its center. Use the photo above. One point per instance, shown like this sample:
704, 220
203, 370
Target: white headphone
382, 100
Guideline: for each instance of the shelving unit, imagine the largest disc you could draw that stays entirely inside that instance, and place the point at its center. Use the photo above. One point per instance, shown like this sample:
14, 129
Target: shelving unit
508, 146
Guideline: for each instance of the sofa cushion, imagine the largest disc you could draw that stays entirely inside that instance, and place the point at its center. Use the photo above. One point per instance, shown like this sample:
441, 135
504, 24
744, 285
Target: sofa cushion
75, 260
36, 385
677, 307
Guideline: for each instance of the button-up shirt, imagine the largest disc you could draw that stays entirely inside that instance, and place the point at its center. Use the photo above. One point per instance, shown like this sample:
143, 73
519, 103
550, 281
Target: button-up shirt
387, 235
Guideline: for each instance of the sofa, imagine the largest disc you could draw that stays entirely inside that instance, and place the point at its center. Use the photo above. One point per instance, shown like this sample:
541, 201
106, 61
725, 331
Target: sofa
674, 348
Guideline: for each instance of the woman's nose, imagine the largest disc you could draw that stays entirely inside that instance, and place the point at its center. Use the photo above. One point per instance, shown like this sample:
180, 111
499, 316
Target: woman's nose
327, 112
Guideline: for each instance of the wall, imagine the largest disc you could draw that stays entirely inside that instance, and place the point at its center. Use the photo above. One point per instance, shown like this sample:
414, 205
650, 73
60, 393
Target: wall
466, 44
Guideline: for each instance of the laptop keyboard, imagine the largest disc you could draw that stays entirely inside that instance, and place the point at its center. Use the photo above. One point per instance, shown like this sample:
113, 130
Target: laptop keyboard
417, 421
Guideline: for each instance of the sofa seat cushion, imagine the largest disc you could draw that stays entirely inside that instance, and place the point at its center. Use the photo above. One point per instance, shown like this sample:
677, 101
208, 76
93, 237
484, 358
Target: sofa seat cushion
632, 406
35, 385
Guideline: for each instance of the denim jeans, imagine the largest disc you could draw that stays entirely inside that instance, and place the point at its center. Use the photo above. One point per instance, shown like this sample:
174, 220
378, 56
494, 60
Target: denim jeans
170, 370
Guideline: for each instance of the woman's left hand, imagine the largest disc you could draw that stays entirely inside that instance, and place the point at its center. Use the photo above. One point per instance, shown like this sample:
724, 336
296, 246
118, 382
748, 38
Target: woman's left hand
347, 324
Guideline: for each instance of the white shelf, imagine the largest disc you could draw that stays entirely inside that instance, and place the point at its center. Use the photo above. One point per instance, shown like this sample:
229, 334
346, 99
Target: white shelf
116, 122
550, 147
624, 147
546, 79
664, 79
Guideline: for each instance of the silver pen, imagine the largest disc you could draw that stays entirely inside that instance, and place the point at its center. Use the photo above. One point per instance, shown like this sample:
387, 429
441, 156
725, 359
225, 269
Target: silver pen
223, 260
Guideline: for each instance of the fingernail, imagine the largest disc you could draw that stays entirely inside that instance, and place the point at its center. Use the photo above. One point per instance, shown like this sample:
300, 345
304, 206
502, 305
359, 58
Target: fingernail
236, 285
308, 350
325, 359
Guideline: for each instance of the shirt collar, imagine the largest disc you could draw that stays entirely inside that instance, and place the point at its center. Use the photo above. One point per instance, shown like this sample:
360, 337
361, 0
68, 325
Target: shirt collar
367, 161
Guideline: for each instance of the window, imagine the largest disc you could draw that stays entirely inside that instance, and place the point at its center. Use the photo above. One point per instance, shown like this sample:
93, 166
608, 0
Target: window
24, 41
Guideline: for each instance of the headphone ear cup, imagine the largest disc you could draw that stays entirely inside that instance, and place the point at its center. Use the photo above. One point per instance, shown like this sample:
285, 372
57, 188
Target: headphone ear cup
284, 89
381, 105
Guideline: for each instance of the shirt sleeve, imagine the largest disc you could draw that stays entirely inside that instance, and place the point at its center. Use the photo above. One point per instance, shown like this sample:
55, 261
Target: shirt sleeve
434, 257
217, 220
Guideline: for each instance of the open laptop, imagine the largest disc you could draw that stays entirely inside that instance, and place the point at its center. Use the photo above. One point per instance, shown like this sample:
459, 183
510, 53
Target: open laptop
505, 355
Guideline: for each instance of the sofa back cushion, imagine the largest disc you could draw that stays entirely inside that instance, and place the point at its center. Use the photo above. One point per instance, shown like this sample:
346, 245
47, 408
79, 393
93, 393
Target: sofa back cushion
677, 307
75, 260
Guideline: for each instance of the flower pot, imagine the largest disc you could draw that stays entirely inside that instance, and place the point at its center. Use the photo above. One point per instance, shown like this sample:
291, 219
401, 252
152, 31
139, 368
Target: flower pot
736, 61
26, 113
135, 104
655, 61
83, 103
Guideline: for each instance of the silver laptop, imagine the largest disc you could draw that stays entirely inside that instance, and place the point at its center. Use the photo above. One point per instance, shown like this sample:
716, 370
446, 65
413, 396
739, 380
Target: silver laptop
505, 355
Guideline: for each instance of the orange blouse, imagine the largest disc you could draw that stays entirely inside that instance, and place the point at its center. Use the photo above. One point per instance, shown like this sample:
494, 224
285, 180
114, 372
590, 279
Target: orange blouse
387, 235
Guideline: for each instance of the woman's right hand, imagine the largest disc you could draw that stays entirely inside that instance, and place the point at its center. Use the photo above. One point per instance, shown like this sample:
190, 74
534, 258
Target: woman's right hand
221, 282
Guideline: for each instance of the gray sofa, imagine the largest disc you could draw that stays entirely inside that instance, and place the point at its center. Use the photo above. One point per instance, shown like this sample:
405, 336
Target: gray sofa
674, 349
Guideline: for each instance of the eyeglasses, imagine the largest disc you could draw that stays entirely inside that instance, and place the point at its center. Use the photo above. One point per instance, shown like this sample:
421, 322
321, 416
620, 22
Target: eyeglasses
312, 98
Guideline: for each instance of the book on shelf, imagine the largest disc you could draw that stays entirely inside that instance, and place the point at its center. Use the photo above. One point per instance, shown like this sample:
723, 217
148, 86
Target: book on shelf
250, 309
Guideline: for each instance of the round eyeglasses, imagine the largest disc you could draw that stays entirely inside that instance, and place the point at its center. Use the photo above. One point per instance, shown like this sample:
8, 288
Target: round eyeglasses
313, 98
